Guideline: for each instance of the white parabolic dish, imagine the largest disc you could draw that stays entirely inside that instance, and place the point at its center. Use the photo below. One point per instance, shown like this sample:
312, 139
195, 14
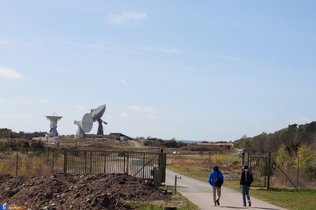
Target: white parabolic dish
98, 112
87, 123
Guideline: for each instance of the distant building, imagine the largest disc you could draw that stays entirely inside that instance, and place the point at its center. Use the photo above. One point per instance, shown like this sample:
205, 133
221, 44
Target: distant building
204, 143
121, 136
227, 145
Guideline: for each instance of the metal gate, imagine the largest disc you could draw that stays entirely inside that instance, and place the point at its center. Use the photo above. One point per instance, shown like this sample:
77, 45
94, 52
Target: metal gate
259, 166
263, 168
145, 165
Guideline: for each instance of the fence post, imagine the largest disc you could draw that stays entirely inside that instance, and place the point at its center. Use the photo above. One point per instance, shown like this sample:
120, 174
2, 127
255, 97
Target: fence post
90, 162
85, 162
127, 162
176, 177
65, 161
144, 161
298, 170
53, 158
104, 162
243, 158
17, 162
269, 170
124, 163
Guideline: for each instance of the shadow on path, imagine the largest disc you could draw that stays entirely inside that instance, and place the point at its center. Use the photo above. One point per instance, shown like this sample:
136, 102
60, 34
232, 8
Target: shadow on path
241, 207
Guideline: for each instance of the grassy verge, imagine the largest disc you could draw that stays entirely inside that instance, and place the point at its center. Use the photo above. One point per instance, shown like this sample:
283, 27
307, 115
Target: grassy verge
177, 200
289, 199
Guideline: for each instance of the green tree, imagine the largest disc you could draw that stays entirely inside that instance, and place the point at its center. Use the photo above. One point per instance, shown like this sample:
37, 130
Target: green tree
283, 157
305, 158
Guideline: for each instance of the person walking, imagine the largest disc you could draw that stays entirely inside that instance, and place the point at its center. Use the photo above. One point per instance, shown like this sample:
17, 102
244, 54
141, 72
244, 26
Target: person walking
245, 181
215, 175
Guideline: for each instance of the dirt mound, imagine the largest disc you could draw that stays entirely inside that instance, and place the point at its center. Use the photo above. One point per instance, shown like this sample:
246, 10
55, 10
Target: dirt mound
84, 191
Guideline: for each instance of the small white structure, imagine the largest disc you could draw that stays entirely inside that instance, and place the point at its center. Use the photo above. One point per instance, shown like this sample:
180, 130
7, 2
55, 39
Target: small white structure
54, 118
84, 126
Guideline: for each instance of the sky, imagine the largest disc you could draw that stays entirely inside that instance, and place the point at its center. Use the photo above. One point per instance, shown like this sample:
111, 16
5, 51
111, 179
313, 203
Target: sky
207, 70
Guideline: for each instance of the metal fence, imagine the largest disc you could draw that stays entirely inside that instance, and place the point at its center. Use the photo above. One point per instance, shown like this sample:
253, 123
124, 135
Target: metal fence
22, 162
267, 173
259, 165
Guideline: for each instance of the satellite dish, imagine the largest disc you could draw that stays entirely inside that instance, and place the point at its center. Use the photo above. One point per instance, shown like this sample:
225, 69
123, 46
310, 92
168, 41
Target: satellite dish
84, 126
53, 118
96, 116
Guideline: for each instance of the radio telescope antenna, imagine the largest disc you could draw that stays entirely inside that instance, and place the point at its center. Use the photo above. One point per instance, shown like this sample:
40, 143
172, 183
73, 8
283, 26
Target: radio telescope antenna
84, 126
54, 118
96, 116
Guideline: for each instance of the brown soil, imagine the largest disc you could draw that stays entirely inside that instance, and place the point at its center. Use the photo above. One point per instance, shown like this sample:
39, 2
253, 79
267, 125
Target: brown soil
86, 191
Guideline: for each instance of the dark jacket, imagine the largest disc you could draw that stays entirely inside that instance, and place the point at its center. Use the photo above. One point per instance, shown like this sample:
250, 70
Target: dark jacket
246, 178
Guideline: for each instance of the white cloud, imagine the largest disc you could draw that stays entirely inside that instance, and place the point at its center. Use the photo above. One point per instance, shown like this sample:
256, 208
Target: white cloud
134, 108
9, 73
7, 42
26, 101
22, 116
45, 101
121, 48
168, 50
190, 69
2, 101
79, 107
123, 115
126, 17
151, 116
123, 81
300, 120
147, 109
89, 45
171, 50
150, 109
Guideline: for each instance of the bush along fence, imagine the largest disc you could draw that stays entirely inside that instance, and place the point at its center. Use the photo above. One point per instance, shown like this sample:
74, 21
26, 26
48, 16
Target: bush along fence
44, 162
273, 171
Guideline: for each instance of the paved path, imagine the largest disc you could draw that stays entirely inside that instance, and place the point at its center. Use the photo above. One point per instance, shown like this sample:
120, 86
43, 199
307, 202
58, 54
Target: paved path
200, 193
135, 143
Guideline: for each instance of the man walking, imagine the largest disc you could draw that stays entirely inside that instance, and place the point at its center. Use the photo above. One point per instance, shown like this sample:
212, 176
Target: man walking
245, 181
216, 174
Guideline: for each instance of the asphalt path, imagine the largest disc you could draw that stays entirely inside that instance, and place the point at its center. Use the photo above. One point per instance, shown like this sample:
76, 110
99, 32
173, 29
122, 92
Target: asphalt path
200, 193
135, 143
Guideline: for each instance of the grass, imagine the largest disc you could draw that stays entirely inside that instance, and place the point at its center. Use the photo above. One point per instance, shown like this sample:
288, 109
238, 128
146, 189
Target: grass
286, 198
177, 200
198, 173
289, 199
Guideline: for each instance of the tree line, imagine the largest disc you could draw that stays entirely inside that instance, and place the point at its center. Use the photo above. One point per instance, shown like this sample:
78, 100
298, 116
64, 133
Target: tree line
293, 146
6, 133
156, 142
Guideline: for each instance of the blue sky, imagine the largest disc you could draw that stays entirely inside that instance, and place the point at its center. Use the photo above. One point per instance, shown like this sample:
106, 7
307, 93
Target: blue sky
212, 70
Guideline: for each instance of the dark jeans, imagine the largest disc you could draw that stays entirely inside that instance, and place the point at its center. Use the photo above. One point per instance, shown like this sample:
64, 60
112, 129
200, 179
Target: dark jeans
245, 193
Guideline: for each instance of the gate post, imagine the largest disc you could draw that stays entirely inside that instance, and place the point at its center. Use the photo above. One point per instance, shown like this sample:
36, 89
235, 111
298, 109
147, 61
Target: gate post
104, 162
269, 170
127, 162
